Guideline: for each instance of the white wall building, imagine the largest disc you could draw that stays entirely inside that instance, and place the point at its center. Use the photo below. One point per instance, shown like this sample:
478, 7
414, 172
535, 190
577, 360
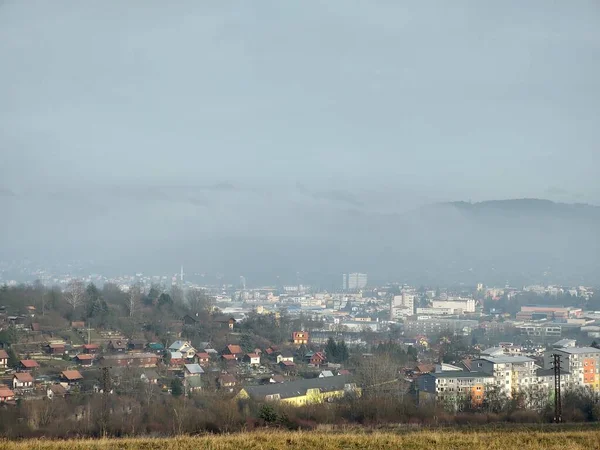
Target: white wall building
466, 305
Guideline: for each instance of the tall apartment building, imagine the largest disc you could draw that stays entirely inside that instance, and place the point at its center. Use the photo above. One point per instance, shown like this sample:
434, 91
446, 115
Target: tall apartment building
511, 373
354, 281
450, 388
583, 363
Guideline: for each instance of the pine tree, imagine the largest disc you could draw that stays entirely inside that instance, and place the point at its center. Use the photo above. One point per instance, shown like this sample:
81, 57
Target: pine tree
331, 350
343, 353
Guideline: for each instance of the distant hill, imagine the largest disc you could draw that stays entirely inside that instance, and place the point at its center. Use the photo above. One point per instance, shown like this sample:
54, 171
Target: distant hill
529, 240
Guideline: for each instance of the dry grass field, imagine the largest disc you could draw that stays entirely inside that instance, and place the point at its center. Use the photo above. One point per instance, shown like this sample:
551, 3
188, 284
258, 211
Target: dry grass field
264, 440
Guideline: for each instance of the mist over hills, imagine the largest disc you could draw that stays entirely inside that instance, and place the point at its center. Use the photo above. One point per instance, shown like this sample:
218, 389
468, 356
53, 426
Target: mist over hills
516, 241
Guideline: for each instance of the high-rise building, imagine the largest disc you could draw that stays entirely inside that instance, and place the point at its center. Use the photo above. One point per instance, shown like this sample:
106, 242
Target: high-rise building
357, 281
344, 282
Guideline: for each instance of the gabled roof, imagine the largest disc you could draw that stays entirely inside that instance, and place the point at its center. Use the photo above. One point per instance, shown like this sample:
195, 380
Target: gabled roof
6, 392
176, 355
287, 363
178, 344
24, 377
84, 357
252, 355
286, 354
297, 388
29, 363
3, 354
326, 373
58, 389
229, 357
203, 355
91, 346
194, 369
72, 375
57, 345
277, 379
235, 349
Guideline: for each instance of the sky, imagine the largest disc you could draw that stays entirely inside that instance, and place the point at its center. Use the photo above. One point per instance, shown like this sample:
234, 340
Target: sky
128, 124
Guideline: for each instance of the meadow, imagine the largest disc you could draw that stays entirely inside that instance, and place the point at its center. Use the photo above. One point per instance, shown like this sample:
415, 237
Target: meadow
518, 438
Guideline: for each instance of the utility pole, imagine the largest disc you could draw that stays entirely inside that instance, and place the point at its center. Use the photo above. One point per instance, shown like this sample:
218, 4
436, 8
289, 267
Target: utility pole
105, 404
557, 396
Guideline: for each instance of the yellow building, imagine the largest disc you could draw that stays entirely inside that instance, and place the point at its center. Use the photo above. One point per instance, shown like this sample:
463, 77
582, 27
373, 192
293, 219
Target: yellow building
302, 392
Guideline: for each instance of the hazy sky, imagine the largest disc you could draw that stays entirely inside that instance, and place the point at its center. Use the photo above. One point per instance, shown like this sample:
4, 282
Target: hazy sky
238, 117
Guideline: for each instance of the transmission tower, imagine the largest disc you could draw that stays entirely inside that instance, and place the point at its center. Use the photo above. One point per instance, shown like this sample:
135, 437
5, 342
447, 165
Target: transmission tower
557, 396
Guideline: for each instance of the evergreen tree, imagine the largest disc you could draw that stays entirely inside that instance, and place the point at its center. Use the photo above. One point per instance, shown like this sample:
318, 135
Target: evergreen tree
331, 350
176, 387
343, 354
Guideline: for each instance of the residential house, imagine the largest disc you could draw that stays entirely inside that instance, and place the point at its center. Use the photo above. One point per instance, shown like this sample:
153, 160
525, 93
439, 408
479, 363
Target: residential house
91, 349
136, 345
285, 355
192, 370
176, 360
78, 325
228, 322
252, 358
203, 358
234, 350
185, 348
326, 373
22, 381
190, 321
453, 388
27, 365
288, 367
117, 346
71, 377
300, 337
3, 359
56, 349
226, 381
6, 395
192, 377
149, 376
84, 359
229, 359
272, 350
277, 379
343, 372
156, 347
130, 360
35, 327
302, 392
56, 390
317, 359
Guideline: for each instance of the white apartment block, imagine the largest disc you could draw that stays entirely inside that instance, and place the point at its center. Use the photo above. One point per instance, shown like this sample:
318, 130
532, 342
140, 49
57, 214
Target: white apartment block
466, 305
511, 373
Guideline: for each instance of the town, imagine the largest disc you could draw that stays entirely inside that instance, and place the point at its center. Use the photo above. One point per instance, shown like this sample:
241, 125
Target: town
469, 349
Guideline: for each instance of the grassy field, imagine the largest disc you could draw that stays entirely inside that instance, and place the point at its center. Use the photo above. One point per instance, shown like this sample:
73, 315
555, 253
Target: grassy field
264, 440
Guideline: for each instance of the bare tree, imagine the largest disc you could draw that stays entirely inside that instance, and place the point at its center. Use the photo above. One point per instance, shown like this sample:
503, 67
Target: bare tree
135, 296
198, 300
75, 294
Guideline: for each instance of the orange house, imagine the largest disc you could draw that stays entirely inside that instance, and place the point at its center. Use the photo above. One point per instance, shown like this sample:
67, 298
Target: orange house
300, 337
